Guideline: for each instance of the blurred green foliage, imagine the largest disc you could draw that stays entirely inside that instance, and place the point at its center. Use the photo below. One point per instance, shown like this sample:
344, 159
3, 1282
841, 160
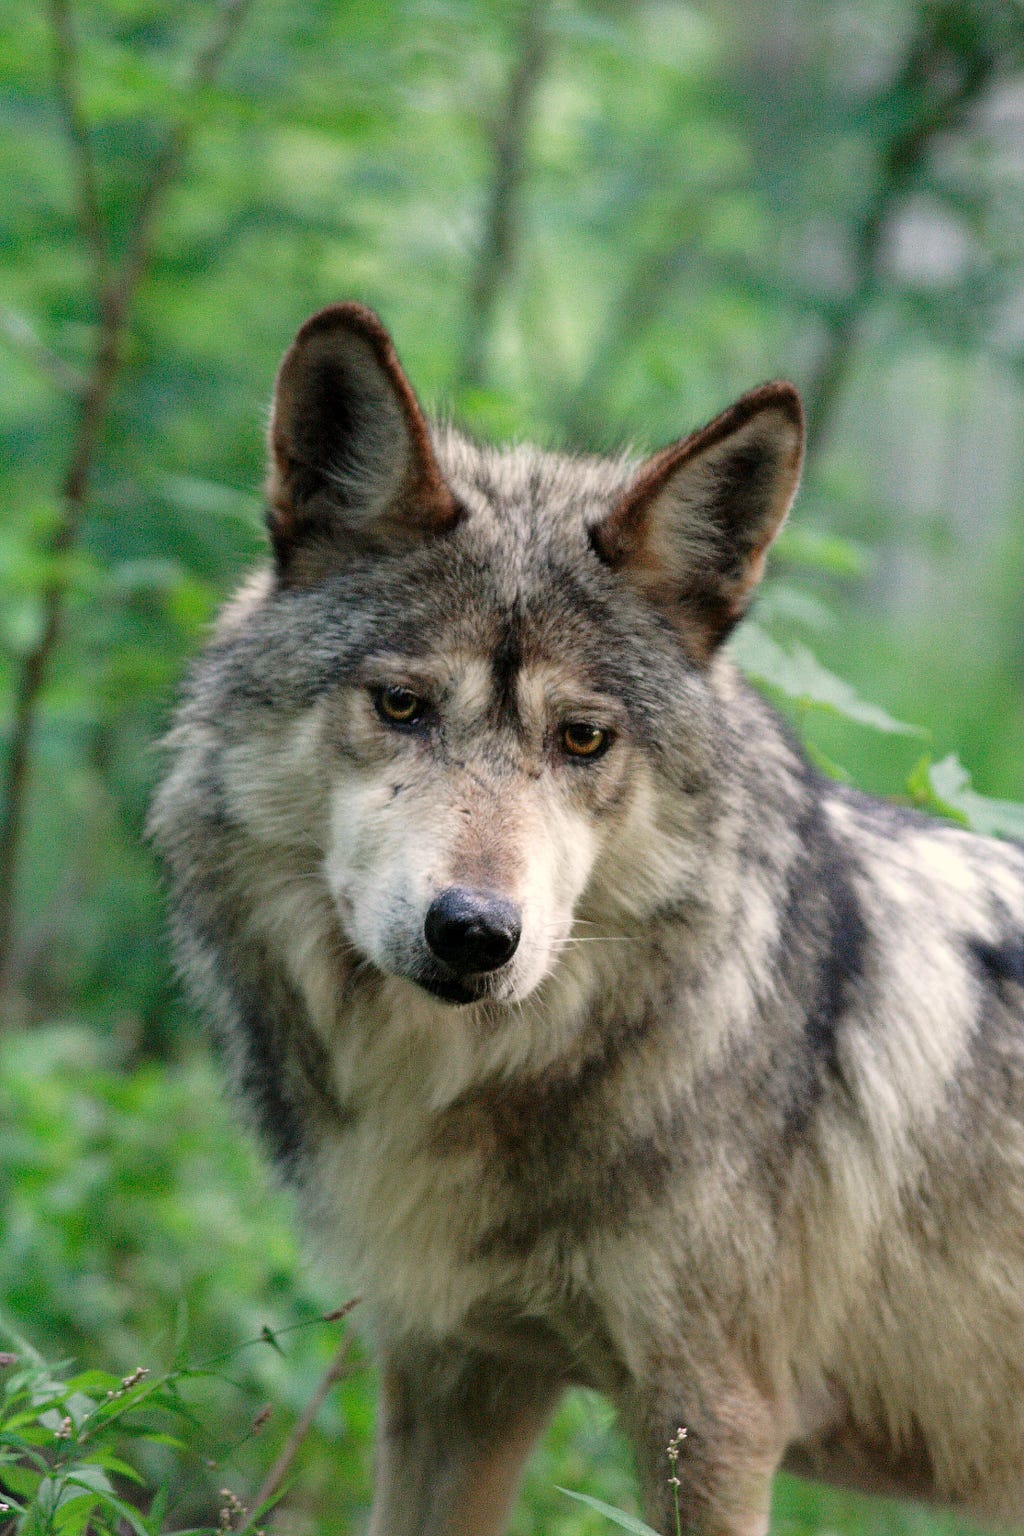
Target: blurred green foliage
585, 221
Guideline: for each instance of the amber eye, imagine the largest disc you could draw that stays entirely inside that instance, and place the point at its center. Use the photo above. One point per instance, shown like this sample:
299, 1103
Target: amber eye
582, 739
399, 706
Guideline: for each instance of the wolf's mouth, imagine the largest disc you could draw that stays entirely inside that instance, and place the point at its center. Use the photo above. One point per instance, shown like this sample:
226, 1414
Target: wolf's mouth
449, 988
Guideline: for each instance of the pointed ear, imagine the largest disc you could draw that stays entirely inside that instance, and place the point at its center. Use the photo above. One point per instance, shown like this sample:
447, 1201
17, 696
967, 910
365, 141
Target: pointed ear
351, 464
693, 530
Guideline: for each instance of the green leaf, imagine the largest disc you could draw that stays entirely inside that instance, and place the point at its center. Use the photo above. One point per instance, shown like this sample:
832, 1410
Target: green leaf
821, 551
93, 1383
826, 764
111, 1463
155, 1519
73, 1513
923, 793
780, 601
22, 1480
627, 1522
945, 786
21, 1448
110, 1501
156, 1437
207, 498
86, 1475
799, 675
28, 1418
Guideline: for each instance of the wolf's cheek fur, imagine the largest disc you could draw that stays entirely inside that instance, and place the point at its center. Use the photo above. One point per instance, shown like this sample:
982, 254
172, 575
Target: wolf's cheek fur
274, 785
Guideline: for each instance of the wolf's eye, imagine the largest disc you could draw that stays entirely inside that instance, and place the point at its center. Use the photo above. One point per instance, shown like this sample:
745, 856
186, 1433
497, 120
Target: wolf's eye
399, 706
582, 739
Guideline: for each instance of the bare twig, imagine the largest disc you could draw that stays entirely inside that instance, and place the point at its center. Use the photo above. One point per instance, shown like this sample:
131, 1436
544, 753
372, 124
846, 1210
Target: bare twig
115, 296
496, 251
900, 164
940, 88
338, 1368
66, 79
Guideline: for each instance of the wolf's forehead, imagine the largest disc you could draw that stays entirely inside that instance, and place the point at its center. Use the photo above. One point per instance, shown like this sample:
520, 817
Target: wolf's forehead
477, 674
527, 491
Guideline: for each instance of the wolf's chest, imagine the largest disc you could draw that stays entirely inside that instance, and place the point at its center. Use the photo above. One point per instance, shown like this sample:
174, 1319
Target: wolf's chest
411, 1223
457, 1187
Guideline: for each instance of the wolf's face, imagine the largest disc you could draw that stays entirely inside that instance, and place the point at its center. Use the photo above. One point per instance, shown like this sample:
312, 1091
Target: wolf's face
525, 638
476, 792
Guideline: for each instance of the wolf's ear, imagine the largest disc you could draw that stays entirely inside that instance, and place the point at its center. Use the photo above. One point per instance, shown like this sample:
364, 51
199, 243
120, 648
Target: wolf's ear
693, 530
351, 464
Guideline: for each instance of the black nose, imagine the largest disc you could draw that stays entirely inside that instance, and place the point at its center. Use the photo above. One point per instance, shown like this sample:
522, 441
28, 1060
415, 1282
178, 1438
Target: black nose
472, 930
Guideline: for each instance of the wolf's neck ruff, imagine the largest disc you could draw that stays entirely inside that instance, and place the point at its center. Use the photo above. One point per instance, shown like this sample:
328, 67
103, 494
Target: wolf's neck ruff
603, 1040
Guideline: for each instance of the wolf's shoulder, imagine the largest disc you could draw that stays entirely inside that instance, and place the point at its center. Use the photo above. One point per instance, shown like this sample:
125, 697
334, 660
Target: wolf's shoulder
925, 881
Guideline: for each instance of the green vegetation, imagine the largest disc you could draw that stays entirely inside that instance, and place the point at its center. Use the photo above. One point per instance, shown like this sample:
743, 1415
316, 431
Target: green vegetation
585, 221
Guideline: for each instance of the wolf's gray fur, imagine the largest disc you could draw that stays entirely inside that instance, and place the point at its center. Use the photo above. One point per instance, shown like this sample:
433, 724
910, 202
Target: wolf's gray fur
735, 1132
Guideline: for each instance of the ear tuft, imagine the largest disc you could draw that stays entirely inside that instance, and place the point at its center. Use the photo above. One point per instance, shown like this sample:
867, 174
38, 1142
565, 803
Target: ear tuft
351, 463
693, 530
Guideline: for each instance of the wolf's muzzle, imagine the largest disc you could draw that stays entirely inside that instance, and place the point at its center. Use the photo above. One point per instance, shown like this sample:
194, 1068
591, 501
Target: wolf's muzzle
472, 931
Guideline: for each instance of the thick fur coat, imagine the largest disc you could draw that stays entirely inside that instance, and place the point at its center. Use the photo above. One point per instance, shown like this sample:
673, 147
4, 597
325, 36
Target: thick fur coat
603, 1040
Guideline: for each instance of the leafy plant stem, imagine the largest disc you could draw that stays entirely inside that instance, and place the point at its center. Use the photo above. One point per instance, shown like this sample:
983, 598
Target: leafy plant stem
338, 1368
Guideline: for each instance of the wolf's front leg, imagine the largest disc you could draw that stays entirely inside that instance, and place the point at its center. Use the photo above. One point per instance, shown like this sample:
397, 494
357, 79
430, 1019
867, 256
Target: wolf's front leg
707, 1458
454, 1432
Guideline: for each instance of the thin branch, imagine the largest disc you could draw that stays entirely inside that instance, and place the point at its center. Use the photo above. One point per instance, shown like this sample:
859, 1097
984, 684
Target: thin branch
338, 1368
115, 306
204, 71
66, 74
496, 251
943, 98
900, 165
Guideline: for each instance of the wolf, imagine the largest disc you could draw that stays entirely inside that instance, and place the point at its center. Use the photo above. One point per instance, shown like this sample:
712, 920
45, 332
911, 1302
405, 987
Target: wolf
604, 1041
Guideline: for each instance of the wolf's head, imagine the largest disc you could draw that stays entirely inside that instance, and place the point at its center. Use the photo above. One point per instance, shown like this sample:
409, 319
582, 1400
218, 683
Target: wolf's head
477, 682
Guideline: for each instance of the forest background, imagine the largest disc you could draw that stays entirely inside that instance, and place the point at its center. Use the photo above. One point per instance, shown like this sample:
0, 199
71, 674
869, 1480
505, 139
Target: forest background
585, 222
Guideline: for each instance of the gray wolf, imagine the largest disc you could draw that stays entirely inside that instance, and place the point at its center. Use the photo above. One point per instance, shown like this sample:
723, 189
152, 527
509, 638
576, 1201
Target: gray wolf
603, 1040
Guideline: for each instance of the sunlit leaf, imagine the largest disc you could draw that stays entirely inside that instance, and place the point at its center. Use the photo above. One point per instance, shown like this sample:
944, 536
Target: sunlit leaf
946, 786
618, 1516
805, 545
798, 674
207, 499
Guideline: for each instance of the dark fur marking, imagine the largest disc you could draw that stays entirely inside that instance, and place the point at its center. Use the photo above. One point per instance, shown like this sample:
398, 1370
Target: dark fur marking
605, 1196
278, 1117
215, 813
283, 1068
843, 967
547, 1138
997, 965
506, 663
617, 657
847, 1455
824, 942
286, 1080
